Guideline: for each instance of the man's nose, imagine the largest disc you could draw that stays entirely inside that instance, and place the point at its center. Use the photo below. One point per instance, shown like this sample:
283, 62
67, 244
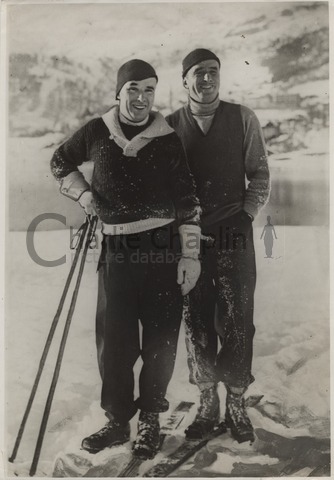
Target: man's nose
207, 77
141, 96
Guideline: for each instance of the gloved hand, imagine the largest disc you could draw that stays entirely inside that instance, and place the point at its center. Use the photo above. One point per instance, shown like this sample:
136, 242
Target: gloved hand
86, 200
188, 272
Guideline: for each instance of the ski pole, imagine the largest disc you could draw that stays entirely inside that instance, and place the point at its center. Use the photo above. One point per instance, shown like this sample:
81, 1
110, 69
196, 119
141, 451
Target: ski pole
89, 238
82, 230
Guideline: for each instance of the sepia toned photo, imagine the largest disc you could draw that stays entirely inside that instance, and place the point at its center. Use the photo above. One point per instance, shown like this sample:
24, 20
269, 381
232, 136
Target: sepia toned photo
167, 239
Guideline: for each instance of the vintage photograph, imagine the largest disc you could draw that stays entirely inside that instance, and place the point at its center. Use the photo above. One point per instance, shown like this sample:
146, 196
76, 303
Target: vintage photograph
167, 244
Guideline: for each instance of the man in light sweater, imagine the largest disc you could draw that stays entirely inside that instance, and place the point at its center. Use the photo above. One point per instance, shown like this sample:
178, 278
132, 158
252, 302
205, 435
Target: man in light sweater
225, 150
144, 195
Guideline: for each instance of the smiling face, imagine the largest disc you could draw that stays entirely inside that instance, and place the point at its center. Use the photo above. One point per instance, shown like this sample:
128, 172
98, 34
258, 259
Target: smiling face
203, 81
136, 99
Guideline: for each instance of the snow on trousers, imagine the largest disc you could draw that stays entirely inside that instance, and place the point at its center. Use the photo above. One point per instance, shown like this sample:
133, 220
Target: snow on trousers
221, 306
137, 281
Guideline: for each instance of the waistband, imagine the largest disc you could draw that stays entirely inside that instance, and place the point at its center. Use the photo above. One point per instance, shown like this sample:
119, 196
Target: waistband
135, 227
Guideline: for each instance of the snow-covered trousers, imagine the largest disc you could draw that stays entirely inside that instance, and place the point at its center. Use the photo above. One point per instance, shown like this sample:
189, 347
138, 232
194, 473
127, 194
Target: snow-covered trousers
137, 283
221, 306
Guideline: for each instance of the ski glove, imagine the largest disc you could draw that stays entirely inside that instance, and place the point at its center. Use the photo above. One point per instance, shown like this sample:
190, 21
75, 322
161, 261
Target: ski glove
190, 238
189, 266
188, 272
73, 185
86, 200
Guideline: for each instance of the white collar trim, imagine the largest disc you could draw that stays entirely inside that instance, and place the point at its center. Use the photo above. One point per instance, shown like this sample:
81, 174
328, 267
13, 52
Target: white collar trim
158, 128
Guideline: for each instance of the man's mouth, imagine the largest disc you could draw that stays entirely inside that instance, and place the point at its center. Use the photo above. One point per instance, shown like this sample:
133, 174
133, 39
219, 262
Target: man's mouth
139, 107
207, 87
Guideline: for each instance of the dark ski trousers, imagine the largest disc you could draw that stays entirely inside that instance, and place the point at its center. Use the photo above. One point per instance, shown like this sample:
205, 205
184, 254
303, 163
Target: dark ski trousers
137, 282
221, 306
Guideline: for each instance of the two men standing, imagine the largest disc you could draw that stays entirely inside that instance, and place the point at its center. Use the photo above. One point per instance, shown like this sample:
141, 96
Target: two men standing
143, 192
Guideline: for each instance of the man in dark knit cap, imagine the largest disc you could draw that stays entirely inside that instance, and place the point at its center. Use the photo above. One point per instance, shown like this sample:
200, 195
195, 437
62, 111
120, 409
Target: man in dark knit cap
225, 150
144, 195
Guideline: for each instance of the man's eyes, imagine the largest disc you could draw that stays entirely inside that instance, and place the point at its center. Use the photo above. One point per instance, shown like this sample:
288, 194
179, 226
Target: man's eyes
135, 90
202, 73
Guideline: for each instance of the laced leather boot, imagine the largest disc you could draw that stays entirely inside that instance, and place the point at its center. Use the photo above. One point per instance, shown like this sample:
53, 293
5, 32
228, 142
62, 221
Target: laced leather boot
112, 434
236, 417
207, 416
147, 442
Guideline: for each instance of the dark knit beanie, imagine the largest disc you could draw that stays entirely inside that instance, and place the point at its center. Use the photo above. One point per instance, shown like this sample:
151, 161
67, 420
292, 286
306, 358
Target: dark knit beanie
133, 70
197, 56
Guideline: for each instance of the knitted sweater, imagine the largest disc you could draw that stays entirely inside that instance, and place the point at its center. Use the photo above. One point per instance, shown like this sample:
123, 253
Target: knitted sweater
133, 180
221, 160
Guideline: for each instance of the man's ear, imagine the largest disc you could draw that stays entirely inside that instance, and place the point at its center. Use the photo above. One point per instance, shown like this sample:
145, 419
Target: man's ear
185, 83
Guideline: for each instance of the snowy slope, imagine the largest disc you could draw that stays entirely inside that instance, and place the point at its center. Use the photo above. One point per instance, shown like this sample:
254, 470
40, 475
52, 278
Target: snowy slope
291, 358
71, 56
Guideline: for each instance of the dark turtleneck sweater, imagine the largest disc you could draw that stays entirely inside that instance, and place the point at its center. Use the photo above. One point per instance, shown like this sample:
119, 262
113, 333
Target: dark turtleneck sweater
131, 130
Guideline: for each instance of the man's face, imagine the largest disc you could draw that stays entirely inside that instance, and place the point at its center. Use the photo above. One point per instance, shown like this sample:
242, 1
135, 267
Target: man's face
136, 99
203, 81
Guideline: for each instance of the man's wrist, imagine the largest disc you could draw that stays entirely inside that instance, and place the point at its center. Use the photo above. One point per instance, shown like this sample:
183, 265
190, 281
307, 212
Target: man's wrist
191, 257
74, 185
190, 238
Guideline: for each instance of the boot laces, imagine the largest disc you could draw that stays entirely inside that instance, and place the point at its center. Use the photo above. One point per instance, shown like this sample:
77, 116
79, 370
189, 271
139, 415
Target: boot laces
104, 430
148, 429
148, 422
237, 410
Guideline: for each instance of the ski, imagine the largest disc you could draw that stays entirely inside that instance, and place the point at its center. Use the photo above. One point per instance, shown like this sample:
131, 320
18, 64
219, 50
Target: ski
176, 417
172, 423
186, 450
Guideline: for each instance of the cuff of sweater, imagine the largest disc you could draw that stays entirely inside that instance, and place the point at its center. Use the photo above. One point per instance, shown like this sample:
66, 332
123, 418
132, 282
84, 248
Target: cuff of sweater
190, 236
73, 185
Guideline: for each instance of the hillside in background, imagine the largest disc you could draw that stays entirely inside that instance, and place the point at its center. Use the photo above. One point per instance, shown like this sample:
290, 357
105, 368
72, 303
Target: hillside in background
274, 57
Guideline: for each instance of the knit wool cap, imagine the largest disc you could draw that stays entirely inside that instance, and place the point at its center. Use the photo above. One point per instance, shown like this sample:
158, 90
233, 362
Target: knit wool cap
133, 70
197, 56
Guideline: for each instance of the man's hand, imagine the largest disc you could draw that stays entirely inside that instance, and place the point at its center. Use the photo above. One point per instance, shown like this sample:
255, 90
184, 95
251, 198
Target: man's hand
188, 271
86, 200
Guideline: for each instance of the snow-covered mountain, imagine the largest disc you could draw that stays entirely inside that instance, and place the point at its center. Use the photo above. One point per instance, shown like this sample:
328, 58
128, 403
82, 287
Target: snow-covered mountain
62, 71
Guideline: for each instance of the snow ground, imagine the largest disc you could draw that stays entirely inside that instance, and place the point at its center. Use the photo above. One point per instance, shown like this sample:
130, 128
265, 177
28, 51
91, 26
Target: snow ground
291, 358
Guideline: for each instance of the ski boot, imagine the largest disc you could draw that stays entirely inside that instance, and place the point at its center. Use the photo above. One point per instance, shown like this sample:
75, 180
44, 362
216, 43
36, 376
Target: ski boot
112, 434
236, 417
147, 442
207, 416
